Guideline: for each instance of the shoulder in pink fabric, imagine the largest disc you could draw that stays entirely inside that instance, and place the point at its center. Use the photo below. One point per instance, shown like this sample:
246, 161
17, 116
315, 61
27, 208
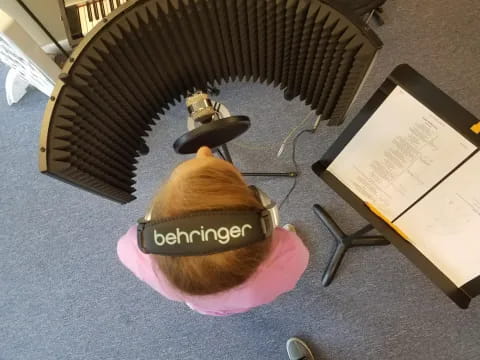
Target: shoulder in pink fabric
278, 274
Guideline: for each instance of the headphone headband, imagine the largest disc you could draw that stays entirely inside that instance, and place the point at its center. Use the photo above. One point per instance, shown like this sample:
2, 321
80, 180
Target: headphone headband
195, 234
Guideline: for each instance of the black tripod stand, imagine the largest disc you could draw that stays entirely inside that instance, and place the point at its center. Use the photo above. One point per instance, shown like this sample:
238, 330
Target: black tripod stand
344, 242
225, 154
211, 124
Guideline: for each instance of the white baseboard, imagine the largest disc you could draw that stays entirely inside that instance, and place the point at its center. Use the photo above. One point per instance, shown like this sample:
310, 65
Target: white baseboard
51, 49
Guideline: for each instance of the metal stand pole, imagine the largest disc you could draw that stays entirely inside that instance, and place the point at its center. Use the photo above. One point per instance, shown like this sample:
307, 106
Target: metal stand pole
226, 153
344, 242
289, 174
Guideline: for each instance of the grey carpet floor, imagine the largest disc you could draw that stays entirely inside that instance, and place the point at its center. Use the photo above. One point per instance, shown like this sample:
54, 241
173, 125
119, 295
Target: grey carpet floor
64, 294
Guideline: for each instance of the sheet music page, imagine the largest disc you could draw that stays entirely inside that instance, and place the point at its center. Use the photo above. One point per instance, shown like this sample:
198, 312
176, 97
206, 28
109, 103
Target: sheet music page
445, 224
402, 151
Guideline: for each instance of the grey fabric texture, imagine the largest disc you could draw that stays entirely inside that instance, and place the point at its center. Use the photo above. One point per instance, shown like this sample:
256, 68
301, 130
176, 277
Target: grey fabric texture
65, 295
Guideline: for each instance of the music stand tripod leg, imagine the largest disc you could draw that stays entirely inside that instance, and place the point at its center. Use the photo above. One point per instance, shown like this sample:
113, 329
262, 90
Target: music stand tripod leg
344, 242
334, 263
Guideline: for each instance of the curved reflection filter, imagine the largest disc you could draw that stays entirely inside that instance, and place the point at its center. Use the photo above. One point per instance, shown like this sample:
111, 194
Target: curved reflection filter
147, 55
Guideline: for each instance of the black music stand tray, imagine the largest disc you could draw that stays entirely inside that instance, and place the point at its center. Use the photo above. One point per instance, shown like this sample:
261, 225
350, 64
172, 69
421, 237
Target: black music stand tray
344, 242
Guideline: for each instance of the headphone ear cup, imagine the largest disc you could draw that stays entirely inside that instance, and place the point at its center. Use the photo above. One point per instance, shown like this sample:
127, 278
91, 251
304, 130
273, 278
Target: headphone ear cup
267, 204
262, 197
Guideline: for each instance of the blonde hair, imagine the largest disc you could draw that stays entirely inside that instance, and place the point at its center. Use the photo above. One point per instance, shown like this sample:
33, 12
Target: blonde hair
215, 185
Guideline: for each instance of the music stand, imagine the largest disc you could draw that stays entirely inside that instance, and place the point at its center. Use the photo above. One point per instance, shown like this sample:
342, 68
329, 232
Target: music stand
445, 108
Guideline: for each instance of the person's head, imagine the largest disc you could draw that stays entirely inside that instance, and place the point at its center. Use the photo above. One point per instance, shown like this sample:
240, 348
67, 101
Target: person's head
207, 183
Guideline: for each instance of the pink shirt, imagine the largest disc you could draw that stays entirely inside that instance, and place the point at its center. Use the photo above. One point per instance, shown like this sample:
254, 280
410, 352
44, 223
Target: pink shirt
278, 274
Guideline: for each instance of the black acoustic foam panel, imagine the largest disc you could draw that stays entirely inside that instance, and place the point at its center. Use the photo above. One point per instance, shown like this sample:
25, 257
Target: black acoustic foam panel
149, 54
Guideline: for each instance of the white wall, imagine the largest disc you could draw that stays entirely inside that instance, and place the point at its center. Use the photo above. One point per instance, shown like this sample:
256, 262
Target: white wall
47, 11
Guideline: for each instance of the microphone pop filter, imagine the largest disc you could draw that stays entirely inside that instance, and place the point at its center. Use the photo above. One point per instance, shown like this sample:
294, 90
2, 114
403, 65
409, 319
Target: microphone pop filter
213, 134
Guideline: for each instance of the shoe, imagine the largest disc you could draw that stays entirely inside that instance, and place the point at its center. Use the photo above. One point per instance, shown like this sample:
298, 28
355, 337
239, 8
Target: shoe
290, 227
298, 350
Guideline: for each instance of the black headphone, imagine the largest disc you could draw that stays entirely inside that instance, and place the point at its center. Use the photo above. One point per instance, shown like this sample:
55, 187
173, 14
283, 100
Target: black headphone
208, 232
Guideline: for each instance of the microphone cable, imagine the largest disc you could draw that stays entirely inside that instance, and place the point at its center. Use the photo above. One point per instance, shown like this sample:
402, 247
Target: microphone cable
295, 164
